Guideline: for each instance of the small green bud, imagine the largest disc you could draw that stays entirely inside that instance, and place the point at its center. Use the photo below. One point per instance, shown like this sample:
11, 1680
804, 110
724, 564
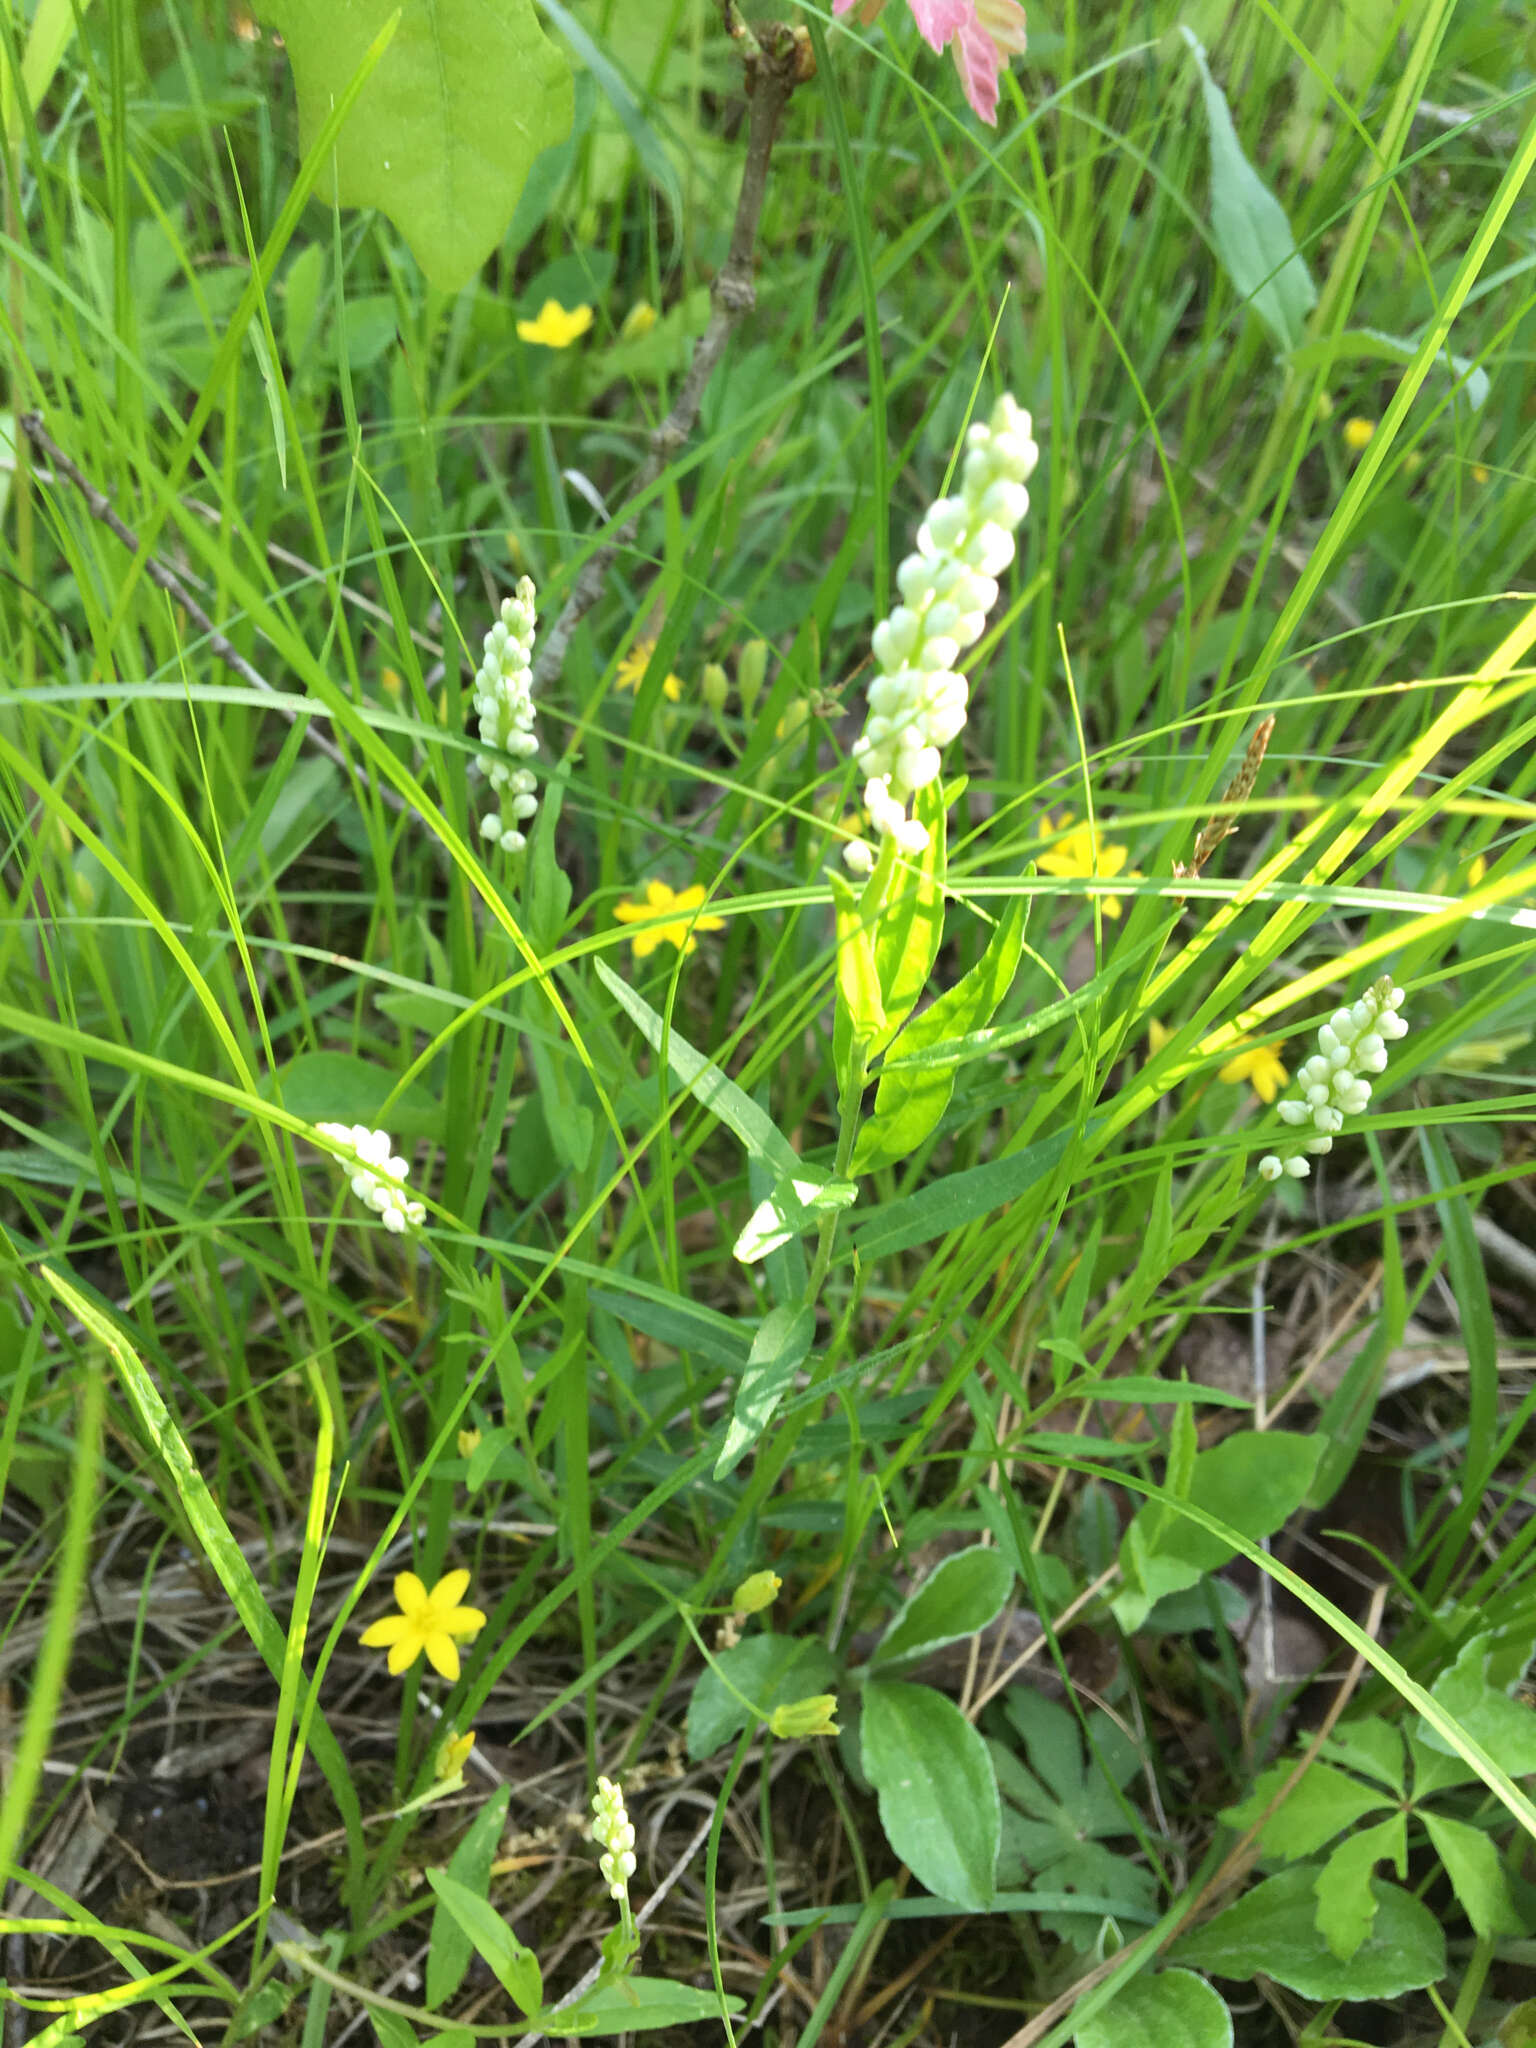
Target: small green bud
812, 1716
751, 667
715, 687
756, 1593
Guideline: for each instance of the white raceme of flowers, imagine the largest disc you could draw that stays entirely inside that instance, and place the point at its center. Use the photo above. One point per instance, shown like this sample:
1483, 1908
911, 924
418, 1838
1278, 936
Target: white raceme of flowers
917, 703
611, 1827
1333, 1085
375, 1154
504, 704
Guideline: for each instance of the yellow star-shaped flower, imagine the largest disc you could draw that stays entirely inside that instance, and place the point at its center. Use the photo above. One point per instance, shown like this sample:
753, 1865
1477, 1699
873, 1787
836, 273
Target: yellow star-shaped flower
1081, 850
1259, 1064
426, 1621
630, 673
659, 899
555, 327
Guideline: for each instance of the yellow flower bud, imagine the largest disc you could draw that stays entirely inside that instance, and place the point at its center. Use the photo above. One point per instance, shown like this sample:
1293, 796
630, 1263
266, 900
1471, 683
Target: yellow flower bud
1358, 433
797, 713
714, 687
756, 1593
812, 1716
640, 319
469, 1442
453, 1755
751, 667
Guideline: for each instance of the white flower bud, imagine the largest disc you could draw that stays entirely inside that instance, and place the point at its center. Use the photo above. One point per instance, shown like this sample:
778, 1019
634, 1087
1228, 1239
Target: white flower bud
372, 1155
1332, 1084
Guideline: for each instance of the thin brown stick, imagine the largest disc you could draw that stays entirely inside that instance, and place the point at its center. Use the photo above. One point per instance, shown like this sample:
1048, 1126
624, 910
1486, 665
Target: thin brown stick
100, 507
776, 59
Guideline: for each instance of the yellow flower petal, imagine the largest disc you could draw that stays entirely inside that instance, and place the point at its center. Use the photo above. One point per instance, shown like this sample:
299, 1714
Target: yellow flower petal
404, 1654
555, 327
443, 1655
450, 1589
410, 1593
380, 1634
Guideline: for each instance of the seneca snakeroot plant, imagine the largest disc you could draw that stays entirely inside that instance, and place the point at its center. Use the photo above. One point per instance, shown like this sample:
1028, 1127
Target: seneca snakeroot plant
373, 1154
504, 703
1332, 1084
917, 703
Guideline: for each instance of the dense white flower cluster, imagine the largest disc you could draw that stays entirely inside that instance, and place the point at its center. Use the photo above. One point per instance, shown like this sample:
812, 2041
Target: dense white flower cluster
917, 703
1332, 1084
375, 1154
612, 1829
504, 702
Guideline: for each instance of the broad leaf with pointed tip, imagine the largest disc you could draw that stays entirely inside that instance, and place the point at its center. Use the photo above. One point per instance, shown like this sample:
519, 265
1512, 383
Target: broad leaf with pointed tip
445, 132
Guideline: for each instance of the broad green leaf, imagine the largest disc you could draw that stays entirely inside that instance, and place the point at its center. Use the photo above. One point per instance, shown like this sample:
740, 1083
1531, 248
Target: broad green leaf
758, 1674
340, 1087
1505, 1727
1371, 1746
445, 131
1321, 1804
395, 2032
938, 1795
1248, 225
1174, 2009
1346, 1905
959, 1597
635, 2005
1272, 1931
1473, 1865
909, 1104
448, 1945
778, 1352
516, 1968
1253, 1483
708, 1084
912, 922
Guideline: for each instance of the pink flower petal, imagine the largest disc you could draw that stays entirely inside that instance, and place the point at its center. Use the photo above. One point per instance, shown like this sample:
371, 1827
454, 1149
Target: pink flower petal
979, 65
939, 20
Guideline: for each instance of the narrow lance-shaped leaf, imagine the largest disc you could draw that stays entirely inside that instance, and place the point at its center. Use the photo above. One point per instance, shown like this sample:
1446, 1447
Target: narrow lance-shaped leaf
1248, 225
909, 1102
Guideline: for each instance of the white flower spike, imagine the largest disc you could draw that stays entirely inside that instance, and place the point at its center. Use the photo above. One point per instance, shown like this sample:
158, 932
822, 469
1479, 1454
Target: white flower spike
917, 703
374, 1153
504, 704
611, 1827
1332, 1084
